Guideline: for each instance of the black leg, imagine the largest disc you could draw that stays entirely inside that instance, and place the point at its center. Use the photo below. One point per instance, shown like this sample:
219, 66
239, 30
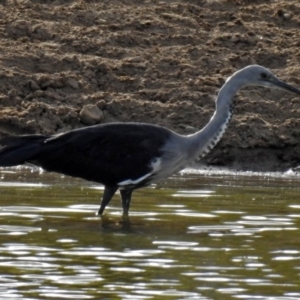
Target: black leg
109, 191
126, 197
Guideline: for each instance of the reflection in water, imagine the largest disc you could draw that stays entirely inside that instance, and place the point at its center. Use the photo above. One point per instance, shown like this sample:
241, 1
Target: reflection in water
199, 236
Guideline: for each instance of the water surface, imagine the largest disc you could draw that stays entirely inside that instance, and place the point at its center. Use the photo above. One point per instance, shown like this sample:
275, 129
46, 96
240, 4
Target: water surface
195, 236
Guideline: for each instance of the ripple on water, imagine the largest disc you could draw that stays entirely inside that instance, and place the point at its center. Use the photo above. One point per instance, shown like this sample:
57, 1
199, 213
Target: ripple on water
175, 245
51, 292
30, 209
17, 230
22, 184
248, 225
198, 247
188, 213
193, 193
264, 220
214, 228
29, 264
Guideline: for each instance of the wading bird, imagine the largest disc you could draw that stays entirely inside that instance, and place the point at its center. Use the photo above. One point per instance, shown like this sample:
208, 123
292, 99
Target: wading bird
127, 156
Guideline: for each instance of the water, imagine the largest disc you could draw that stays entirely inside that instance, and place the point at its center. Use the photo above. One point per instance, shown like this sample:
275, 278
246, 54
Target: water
197, 236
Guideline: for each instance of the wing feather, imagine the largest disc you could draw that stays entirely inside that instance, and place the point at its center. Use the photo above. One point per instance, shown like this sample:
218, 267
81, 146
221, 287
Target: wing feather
109, 153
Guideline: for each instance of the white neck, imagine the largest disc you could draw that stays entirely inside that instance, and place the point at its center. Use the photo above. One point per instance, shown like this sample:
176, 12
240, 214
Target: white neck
203, 141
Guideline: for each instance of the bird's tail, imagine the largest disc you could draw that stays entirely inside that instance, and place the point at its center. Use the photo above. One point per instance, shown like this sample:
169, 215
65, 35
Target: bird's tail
18, 150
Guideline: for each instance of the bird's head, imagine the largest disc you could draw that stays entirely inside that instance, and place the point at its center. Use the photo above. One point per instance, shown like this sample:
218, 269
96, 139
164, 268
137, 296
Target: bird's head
255, 75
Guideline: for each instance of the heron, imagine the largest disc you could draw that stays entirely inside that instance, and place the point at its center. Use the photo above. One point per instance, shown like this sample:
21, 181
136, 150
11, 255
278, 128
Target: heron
127, 156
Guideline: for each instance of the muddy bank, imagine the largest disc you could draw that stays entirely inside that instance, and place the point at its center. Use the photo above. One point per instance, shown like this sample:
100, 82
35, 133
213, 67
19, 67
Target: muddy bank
68, 64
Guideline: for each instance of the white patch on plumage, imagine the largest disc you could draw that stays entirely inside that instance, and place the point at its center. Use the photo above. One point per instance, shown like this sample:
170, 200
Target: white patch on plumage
155, 165
133, 182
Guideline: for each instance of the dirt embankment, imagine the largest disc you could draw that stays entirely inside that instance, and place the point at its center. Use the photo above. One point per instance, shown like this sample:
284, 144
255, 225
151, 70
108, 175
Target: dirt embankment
67, 64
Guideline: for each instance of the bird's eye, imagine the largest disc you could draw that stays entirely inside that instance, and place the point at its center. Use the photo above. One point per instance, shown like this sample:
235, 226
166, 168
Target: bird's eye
263, 75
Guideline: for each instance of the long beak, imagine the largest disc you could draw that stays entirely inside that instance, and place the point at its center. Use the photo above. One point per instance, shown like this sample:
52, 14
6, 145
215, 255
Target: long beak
284, 86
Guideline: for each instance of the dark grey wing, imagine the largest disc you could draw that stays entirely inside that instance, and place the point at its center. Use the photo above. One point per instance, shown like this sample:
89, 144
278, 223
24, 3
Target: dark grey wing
17, 150
108, 154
